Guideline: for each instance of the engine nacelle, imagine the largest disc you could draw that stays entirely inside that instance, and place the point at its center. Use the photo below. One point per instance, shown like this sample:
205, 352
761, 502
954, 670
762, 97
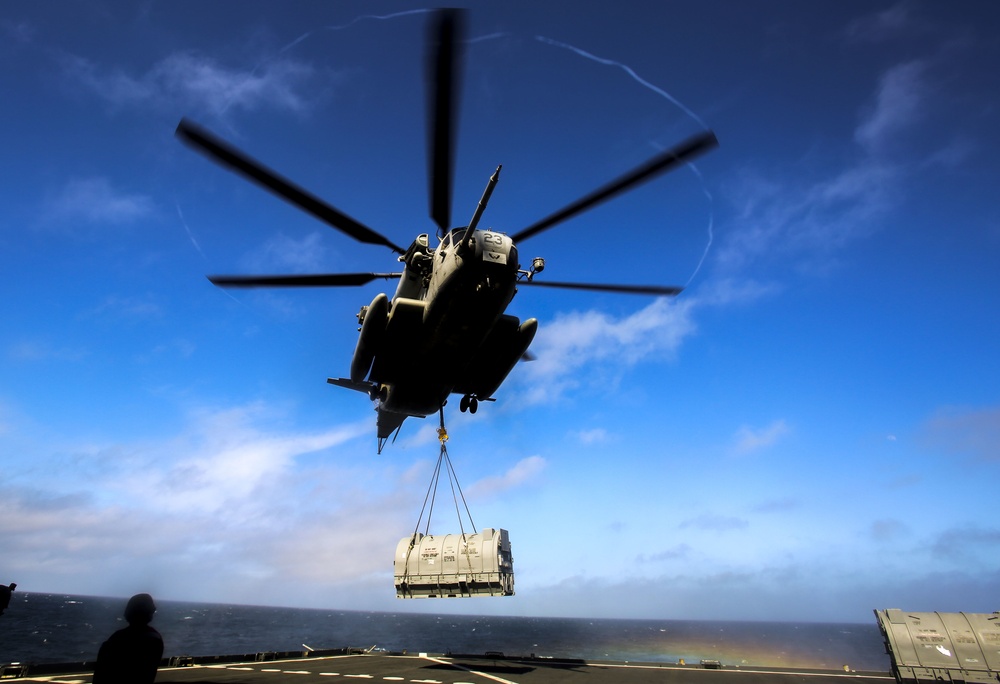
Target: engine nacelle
370, 339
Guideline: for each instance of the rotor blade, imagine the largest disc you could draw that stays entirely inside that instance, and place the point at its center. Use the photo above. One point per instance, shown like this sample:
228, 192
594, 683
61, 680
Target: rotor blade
659, 164
319, 280
225, 154
444, 57
623, 289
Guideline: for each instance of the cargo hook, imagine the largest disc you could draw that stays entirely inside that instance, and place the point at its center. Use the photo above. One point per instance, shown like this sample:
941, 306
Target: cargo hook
442, 432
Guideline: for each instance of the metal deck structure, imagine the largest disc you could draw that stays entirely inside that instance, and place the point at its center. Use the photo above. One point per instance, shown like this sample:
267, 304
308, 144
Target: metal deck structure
936, 647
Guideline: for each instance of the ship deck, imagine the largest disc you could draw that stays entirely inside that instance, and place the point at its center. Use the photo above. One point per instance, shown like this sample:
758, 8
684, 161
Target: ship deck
439, 669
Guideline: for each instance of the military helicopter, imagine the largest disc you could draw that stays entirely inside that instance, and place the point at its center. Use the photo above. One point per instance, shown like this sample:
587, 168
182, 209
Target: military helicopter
444, 331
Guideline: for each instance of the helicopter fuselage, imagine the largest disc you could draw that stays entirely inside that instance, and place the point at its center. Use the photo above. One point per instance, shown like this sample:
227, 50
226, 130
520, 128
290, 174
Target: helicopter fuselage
444, 331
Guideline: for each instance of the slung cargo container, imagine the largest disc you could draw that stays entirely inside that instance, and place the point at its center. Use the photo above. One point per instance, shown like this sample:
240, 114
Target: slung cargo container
454, 565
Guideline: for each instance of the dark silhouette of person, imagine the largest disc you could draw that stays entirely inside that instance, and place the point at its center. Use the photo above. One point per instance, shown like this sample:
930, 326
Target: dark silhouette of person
131, 655
5, 593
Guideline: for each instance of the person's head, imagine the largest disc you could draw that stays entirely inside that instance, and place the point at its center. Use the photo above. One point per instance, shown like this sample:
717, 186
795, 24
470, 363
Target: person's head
140, 609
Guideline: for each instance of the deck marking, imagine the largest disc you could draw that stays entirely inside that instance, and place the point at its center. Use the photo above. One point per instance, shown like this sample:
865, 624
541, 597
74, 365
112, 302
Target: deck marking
471, 671
736, 670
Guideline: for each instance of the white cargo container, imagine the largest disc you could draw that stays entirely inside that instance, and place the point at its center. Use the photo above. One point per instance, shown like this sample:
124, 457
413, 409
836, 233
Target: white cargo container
454, 565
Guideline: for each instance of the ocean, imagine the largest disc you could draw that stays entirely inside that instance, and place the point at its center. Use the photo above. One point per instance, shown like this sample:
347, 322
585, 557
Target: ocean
57, 628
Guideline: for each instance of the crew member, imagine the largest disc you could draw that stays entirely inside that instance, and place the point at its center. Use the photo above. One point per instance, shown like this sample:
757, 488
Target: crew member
131, 655
5, 593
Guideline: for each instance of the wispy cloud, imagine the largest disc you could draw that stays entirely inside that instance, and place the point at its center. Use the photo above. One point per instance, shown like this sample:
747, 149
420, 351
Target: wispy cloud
777, 506
888, 529
177, 347
96, 201
592, 436
130, 308
968, 431
968, 545
37, 350
677, 552
18, 33
808, 220
882, 25
527, 470
289, 254
749, 440
195, 81
714, 522
900, 93
775, 592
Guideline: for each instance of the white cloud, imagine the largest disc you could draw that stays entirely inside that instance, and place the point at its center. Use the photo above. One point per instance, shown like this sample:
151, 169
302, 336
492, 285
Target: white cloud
578, 340
228, 462
749, 440
233, 500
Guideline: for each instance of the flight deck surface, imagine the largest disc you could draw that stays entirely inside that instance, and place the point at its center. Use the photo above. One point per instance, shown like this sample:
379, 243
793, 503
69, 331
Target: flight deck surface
434, 669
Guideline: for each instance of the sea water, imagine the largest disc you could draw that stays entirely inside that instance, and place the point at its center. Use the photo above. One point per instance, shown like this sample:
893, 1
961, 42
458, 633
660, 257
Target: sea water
57, 628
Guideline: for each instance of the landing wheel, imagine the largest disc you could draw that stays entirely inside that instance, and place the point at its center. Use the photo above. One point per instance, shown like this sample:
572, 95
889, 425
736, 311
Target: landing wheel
463, 405
473, 404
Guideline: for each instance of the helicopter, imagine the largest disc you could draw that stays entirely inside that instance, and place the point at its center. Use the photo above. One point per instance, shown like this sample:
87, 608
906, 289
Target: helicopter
445, 330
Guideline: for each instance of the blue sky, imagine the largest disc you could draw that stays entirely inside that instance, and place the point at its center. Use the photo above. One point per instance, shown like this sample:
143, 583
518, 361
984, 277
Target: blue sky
808, 432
